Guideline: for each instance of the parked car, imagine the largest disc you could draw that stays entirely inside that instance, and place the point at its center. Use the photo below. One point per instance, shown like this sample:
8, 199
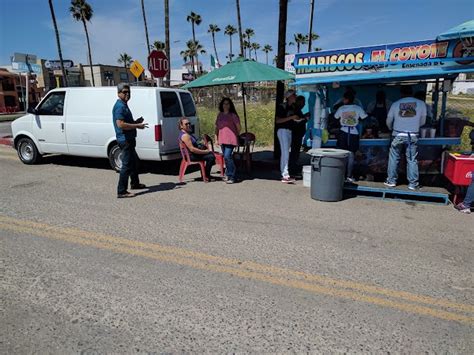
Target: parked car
78, 121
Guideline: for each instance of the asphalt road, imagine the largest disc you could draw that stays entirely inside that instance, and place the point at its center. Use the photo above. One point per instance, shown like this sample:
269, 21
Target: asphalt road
254, 267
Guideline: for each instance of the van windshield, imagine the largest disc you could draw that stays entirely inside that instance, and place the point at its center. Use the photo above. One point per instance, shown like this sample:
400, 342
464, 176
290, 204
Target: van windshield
188, 104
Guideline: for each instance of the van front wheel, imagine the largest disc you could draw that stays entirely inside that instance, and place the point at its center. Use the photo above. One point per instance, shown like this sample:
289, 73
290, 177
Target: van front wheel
27, 151
115, 157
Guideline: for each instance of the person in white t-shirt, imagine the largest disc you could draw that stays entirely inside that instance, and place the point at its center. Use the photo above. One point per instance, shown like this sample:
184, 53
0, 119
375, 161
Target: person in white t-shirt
405, 118
348, 138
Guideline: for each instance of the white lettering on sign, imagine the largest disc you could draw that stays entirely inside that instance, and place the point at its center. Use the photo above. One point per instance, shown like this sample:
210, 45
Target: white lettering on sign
232, 77
158, 64
469, 175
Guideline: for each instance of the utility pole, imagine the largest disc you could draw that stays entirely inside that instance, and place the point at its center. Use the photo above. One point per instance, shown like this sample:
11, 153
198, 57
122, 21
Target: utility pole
310, 39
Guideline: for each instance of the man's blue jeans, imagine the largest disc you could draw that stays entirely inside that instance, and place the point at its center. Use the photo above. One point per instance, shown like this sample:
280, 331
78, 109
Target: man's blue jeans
398, 144
129, 166
228, 150
470, 193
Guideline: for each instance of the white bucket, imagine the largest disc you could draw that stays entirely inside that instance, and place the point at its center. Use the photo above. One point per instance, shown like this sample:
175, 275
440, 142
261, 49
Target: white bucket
307, 175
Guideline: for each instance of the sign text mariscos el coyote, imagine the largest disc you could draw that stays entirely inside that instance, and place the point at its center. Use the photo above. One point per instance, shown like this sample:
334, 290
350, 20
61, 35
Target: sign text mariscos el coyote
408, 55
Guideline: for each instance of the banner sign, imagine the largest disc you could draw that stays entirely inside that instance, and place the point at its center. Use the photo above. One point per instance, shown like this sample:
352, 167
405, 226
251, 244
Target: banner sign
444, 55
26, 68
187, 77
56, 64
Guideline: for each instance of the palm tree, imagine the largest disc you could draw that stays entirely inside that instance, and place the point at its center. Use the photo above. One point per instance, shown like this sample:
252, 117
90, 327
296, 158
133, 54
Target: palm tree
126, 60
255, 46
230, 31
158, 45
194, 48
82, 11
249, 33
267, 48
146, 27
213, 29
167, 39
185, 55
246, 46
56, 31
241, 37
195, 19
299, 40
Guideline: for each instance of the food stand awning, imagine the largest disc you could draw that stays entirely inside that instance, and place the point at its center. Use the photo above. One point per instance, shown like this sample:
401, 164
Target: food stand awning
429, 59
465, 29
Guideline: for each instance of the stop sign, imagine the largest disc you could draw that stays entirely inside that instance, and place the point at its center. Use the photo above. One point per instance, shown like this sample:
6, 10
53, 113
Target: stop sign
158, 64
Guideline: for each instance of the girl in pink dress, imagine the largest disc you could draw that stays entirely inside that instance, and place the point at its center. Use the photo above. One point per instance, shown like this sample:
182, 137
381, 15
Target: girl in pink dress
227, 132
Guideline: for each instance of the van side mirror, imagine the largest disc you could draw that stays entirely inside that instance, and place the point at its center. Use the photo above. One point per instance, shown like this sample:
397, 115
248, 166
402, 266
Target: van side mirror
32, 110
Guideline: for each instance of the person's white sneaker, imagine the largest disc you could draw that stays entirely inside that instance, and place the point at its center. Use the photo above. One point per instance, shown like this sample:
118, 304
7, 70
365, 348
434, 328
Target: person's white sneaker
390, 184
288, 180
350, 180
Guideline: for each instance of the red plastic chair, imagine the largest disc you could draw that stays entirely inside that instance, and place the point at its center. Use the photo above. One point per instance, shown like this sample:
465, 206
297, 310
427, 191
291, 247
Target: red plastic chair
219, 156
186, 161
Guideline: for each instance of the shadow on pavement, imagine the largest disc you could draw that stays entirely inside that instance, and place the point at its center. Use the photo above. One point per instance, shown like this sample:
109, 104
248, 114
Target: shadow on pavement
166, 186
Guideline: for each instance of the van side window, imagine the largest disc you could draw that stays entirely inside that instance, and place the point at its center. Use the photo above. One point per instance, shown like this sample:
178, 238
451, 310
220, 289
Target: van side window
188, 104
53, 105
170, 104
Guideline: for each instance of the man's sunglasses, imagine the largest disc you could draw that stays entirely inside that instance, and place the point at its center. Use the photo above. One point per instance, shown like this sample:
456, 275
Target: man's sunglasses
125, 92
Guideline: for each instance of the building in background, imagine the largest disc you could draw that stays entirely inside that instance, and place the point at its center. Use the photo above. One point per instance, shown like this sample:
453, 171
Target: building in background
106, 75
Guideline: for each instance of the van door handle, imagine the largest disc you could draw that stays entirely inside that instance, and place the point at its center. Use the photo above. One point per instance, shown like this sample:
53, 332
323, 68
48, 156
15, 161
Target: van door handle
62, 127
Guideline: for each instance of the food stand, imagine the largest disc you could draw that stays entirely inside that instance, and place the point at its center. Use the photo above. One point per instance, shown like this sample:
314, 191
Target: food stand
324, 75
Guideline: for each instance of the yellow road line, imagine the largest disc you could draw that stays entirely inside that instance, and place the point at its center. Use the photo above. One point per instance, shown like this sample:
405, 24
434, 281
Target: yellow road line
114, 244
248, 265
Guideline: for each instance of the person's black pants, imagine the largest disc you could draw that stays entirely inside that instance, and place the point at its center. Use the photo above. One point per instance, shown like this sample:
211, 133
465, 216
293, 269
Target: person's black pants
129, 166
209, 158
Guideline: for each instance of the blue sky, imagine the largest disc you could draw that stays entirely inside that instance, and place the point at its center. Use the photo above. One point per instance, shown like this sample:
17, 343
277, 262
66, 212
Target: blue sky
117, 25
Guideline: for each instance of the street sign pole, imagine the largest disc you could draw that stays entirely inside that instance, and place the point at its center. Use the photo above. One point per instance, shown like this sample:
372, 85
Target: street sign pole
27, 94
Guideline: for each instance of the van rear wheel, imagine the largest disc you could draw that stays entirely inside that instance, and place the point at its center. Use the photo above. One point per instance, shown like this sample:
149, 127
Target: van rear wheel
27, 151
115, 157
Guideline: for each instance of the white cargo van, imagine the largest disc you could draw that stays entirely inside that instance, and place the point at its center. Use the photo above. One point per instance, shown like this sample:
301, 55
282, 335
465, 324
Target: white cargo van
78, 121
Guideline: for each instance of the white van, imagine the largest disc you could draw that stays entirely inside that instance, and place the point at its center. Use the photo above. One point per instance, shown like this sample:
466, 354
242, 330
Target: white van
78, 121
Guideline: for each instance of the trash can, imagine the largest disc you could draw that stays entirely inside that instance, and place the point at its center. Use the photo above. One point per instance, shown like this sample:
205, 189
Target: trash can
328, 173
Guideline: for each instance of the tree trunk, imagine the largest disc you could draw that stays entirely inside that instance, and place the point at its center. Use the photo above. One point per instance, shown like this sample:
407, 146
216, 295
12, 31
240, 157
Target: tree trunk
240, 29
167, 39
297, 47
60, 53
146, 27
89, 50
280, 65
266, 57
256, 59
230, 54
215, 49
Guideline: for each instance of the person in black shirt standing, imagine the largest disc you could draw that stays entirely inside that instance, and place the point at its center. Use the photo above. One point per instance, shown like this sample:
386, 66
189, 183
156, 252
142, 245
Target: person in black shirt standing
284, 118
298, 131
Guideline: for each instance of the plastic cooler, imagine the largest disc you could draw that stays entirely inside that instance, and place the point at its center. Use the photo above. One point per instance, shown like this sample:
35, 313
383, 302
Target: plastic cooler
459, 169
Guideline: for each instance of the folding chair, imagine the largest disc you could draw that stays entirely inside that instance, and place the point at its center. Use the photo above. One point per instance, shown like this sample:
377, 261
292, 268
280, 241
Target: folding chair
186, 161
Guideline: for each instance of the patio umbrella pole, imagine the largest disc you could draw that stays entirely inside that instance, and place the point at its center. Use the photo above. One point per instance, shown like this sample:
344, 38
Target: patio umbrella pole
245, 110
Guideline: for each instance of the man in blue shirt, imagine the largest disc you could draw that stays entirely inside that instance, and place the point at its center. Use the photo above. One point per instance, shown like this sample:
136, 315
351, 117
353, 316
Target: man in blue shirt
126, 132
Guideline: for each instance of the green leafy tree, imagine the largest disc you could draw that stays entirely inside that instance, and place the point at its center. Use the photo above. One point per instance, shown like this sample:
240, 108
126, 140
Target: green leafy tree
158, 45
82, 11
193, 49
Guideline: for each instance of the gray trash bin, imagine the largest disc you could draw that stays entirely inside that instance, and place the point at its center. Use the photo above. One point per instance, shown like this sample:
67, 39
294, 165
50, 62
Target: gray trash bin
328, 173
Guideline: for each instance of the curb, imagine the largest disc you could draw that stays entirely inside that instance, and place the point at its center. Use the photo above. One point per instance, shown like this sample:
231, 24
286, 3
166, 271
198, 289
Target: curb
8, 140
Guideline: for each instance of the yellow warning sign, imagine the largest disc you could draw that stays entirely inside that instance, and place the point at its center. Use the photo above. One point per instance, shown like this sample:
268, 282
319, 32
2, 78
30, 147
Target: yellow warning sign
136, 68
